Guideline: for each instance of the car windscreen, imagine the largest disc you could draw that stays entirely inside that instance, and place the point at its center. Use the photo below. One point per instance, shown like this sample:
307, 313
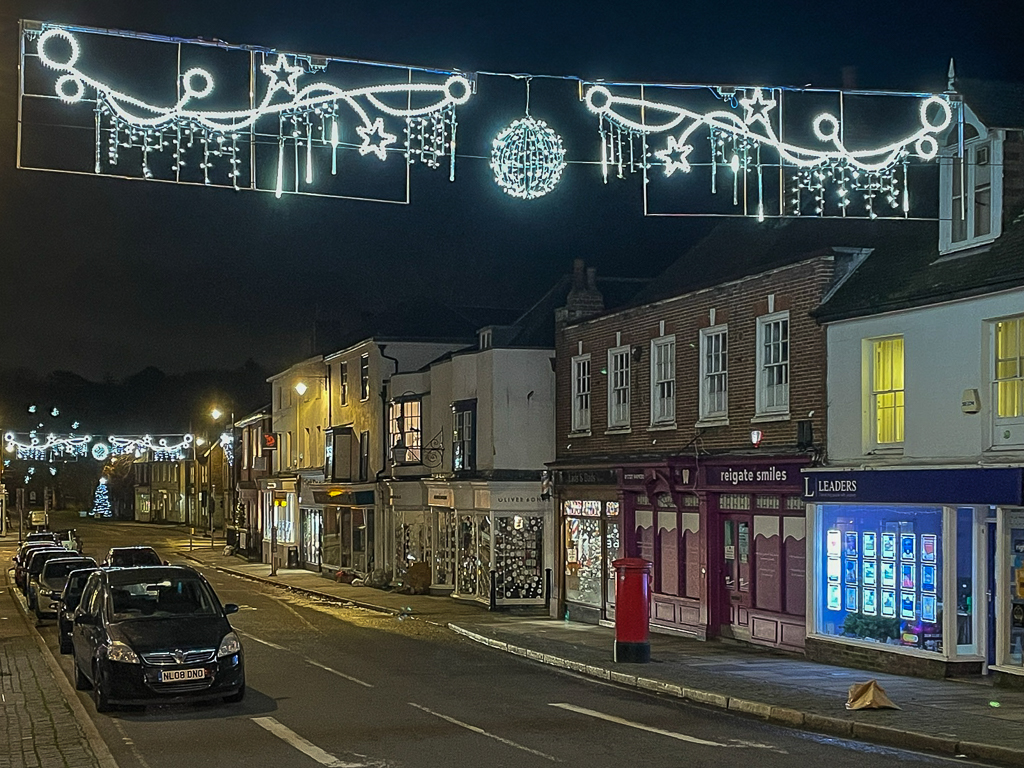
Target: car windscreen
130, 558
169, 597
59, 569
39, 560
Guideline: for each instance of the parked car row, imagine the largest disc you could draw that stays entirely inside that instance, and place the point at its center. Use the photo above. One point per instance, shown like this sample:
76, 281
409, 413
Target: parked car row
140, 631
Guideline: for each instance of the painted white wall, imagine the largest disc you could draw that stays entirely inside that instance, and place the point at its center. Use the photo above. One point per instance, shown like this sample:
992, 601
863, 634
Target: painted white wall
947, 349
515, 394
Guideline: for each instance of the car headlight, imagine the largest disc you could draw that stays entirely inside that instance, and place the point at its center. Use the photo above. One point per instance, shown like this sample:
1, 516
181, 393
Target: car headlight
118, 651
229, 645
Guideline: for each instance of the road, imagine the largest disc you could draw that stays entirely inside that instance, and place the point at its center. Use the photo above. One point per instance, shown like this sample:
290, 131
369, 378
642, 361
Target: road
339, 686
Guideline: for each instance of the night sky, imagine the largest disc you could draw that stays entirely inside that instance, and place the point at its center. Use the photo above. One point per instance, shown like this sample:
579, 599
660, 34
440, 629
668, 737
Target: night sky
103, 277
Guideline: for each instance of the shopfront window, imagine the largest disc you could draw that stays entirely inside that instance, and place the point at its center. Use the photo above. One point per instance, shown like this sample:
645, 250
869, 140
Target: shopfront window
880, 574
965, 608
518, 561
1013, 545
583, 560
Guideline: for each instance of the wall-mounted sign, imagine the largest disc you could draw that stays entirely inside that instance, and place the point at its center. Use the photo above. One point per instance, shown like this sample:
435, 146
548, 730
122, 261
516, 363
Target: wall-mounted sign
917, 486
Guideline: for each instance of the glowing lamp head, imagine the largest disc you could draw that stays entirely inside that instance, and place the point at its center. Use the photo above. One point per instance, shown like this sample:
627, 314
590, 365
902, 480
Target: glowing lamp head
301, 388
216, 413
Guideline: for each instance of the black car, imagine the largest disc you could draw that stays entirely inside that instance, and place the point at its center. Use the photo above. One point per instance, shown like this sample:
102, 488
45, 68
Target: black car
68, 603
52, 579
130, 557
154, 635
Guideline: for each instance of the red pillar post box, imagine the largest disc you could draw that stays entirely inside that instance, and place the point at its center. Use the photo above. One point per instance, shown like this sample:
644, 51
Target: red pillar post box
632, 609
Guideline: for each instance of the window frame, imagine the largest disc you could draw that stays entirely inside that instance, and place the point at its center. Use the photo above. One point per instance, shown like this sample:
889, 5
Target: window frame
364, 377
619, 387
762, 408
972, 185
463, 444
581, 400
405, 427
706, 411
1016, 390
663, 416
877, 391
343, 382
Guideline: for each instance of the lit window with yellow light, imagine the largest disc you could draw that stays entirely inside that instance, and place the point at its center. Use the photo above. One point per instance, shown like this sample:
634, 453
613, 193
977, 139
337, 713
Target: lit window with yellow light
1010, 368
887, 390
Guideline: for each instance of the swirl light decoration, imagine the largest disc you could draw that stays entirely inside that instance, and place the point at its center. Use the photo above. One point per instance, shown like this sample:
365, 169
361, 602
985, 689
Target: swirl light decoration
167, 448
306, 122
830, 172
53, 447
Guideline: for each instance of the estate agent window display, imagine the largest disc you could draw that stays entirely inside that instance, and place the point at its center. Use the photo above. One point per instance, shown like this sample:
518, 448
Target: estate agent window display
888, 574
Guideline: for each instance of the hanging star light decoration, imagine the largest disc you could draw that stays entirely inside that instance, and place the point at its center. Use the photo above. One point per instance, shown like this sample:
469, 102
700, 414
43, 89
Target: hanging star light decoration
307, 119
628, 124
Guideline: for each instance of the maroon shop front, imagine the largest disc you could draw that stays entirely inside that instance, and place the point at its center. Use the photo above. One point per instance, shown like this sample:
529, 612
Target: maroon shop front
727, 539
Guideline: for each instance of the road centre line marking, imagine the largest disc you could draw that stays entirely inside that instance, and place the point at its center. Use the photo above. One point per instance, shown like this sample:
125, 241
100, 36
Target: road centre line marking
305, 746
336, 672
263, 642
651, 729
482, 732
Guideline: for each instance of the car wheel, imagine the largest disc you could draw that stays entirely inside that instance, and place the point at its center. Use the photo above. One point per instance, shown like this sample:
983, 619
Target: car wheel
237, 696
100, 695
81, 681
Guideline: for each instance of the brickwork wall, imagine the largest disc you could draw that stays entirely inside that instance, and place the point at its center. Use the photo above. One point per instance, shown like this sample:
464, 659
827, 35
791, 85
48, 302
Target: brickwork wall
798, 288
1013, 176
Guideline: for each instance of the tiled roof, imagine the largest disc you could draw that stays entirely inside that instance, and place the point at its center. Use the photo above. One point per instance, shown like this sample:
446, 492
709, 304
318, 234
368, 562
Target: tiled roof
424, 320
904, 274
741, 247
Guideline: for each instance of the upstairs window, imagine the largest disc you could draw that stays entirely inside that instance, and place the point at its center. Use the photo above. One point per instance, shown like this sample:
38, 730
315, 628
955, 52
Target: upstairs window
773, 364
581, 393
1009, 369
714, 373
618, 387
663, 380
404, 431
887, 390
343, 383
970, 207
464, 435
364, 377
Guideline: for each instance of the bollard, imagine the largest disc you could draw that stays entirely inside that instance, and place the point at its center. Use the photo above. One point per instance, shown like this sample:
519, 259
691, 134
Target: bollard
632, 610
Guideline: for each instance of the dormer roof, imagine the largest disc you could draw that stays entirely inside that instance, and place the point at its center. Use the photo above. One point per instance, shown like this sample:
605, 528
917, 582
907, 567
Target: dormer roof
909, 272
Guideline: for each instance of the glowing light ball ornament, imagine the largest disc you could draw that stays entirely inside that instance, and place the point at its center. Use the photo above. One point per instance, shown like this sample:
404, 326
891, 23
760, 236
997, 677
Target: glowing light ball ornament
527, 157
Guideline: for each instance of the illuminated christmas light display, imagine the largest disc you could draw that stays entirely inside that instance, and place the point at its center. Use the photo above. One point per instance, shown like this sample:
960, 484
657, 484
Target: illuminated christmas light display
53, 447
304, 121
168, 448
227, 444
527, 159
735, 139
287, 125
101, 500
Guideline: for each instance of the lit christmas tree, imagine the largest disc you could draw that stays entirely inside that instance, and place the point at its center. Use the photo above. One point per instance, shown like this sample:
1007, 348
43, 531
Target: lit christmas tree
101, 502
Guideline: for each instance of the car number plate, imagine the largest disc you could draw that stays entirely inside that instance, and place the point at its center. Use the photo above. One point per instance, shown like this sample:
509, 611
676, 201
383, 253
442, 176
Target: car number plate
181, 675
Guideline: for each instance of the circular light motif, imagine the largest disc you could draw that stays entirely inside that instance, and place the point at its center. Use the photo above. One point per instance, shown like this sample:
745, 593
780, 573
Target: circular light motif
100, 451
527, 159
45, 55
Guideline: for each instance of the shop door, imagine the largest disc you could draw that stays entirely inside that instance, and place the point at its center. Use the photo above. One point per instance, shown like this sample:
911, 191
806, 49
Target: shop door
990, 595
736, 558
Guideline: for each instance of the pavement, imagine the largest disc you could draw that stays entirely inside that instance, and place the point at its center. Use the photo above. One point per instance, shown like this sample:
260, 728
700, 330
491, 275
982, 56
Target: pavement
42, 722
45, 725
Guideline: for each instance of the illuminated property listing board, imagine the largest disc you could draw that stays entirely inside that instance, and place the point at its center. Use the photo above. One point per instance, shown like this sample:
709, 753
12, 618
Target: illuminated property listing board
881, 579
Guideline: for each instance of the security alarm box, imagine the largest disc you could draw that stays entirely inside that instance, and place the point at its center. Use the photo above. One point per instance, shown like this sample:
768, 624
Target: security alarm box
970, 402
